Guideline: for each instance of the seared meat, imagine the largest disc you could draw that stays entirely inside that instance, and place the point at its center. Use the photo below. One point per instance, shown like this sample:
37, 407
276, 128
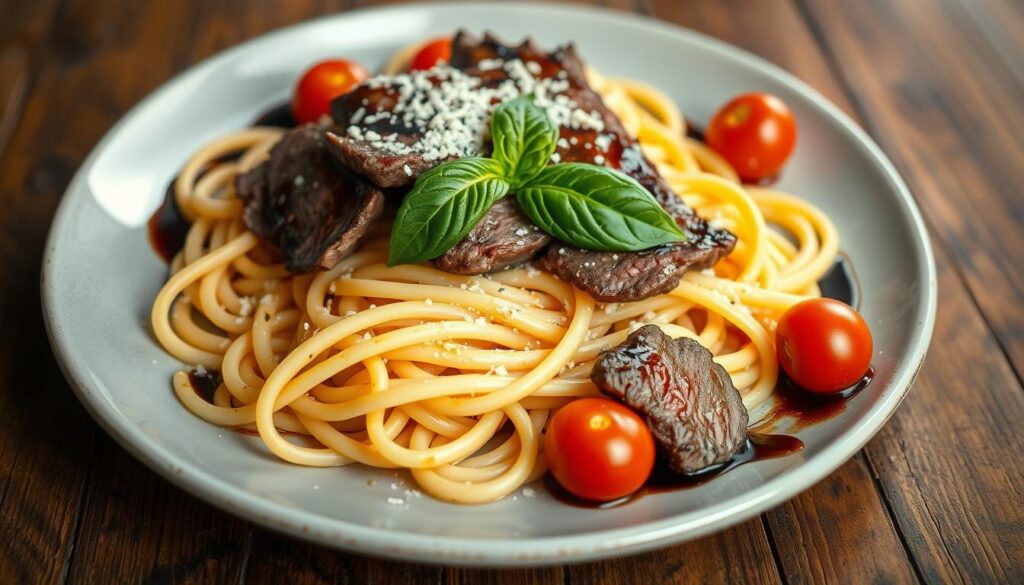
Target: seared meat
688, 401
384, 169
505, 236
394, 129
608, 277
306, 204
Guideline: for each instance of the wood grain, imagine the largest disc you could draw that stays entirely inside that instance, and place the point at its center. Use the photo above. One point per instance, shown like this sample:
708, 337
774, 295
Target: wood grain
809, 531
738, 555
279, 559
939, 100
136, 528
45, 436
956, 440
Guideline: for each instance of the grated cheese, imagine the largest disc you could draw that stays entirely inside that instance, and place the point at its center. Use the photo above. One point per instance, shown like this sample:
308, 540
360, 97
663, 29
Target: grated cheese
453, 109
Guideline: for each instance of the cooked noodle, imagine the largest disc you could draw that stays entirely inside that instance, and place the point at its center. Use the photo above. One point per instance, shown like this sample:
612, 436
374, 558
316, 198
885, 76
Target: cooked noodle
454, 377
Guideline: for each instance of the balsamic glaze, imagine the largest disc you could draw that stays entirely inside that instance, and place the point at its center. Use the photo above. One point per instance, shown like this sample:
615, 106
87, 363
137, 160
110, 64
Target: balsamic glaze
278, 116
840, 282
802, 409
204, 384
167, 227
695, 132
758, 448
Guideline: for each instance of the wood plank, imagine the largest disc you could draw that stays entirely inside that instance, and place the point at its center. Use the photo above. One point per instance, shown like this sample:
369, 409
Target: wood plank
1000, 23
22, 34
137, 528
45, 436
945, 107
51, 434
812, 529
15, 74
738, 555
536, 576
835, 532
280, 559
949, 462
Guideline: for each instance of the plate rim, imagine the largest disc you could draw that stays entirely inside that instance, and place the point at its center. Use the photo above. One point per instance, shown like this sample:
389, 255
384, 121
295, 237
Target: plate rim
509, 551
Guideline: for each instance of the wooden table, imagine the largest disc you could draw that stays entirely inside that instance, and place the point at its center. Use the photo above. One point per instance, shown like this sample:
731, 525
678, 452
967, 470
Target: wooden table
937, 496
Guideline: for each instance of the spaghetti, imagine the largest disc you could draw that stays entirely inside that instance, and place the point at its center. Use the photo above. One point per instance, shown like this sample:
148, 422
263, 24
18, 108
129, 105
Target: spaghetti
454, 377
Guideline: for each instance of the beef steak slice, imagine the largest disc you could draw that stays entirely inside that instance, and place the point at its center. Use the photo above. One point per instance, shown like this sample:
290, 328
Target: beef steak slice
305, 204
505, 236
608, 277
689, 402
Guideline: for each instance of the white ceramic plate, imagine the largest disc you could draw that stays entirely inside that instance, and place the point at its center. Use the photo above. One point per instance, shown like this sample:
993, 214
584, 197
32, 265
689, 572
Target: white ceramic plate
100, 277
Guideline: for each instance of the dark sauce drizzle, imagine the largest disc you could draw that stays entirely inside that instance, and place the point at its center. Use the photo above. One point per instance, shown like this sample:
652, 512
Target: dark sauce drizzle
167, 226
278, 116
205, 384
803, 409
758, 448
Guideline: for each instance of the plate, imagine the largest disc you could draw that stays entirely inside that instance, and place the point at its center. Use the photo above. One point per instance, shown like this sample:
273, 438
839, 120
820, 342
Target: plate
100, 277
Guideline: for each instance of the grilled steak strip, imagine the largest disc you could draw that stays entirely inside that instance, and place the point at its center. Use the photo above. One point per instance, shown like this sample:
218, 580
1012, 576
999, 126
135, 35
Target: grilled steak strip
505, 236
689, 402
308, 206
379, 135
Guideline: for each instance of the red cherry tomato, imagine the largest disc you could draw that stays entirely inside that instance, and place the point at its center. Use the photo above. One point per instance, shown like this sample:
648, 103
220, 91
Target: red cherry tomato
823, 345
437, 50
599, 449
755, 132
322, 83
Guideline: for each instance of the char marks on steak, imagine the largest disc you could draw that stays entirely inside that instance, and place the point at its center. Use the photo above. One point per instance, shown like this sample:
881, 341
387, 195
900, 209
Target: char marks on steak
505, 236
308, 206
689, 402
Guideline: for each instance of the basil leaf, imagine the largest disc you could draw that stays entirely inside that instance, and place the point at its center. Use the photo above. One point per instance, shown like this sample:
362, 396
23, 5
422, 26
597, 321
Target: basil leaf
524, 139
444, 205
596, 208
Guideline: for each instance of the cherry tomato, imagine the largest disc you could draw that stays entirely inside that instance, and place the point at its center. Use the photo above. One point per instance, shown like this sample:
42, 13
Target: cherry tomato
599, 449
823, 345
322, 83
755, 132
437, 50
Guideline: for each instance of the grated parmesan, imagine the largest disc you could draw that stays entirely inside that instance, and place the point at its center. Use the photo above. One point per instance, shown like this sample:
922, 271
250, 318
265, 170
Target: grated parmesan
454, 108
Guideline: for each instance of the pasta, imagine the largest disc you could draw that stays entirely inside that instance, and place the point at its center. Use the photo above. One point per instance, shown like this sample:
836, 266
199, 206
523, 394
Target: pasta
454, 377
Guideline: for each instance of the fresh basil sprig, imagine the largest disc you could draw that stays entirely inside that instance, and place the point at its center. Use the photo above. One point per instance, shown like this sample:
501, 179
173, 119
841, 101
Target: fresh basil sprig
524, 139
596, 208
589, 206
446, 203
